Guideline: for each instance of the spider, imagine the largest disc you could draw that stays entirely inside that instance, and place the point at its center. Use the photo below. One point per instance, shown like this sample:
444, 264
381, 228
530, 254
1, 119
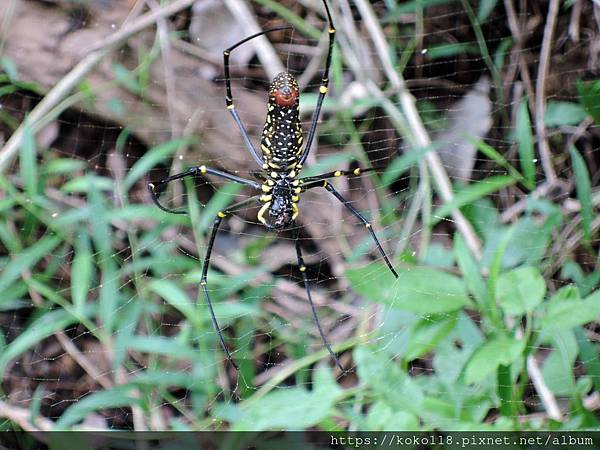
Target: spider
281, 159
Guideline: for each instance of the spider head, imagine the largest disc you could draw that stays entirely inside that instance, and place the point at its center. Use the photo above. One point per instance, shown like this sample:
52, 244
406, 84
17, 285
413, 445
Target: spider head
284, 90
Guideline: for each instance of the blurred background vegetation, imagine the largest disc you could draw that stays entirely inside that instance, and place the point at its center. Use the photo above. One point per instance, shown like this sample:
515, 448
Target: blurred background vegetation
481, 119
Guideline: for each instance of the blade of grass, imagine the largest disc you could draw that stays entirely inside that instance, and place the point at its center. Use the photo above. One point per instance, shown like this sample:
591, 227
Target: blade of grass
584, 192
495, 156
525, 142
151, 158
81, 271
402, 163
27, 259
493, 311
28, 162
471, 193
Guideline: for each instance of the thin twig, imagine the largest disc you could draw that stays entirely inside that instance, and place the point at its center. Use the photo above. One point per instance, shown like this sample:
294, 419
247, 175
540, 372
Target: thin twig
83, 361
574, 22
546, 395
540, 99
267, 55
24, 419
517, 52
165, 51
72, 79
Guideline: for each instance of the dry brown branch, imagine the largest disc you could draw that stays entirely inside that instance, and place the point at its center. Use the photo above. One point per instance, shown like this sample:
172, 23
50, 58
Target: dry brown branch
540, 97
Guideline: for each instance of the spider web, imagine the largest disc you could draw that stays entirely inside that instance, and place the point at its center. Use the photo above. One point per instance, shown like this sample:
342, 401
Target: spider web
104, 287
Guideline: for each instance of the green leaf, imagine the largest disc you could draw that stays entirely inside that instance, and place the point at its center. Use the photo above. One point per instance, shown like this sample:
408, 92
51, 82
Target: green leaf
81, 271
117, 397
26, 260
10, 68
151, 158
487, 358
589, 356
570, 313
402, 163
28, 161
520, 290
88, 183
452, 49
589, 93
160, 345
382, 417
525, 142
62, 166
584, 191
328, 163
155, 379
218, 202
176, 297
427, 334
421, 290
485, 9
389, 383
557, 369
126, 78
470, 269
563, 113
495, 156
292, 409
472, 193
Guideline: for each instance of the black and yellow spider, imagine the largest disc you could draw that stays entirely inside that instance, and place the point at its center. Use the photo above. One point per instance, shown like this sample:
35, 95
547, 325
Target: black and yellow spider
281, 159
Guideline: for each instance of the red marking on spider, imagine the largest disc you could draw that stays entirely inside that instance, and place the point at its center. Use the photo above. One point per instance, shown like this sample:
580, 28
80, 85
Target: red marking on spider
286, 96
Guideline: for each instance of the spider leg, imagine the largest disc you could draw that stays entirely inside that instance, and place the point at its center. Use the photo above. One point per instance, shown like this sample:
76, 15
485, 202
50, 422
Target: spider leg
322, 90
310, 301
317, 180
229, 96
351, 208
192, 171
203, 280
